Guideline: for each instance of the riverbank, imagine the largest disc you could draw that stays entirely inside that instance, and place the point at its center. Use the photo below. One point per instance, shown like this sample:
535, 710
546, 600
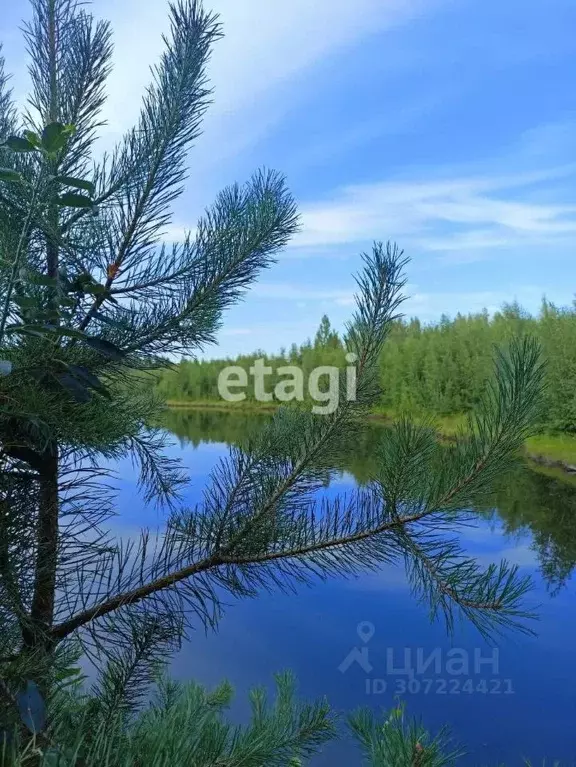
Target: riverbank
552, 453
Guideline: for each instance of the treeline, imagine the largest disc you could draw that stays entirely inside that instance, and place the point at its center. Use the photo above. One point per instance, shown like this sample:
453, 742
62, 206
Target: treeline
440, 369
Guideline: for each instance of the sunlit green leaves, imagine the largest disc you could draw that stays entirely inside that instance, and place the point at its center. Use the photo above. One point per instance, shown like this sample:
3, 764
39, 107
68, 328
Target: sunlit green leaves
76, 183
101, 345
37, 278
55, 136
33, 138
73, 200
85, 284
9, 175
81, 283
26, 302
96, 289
19, 144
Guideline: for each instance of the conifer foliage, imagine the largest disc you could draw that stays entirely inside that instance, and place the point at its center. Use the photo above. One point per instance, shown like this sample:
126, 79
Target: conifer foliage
89, 296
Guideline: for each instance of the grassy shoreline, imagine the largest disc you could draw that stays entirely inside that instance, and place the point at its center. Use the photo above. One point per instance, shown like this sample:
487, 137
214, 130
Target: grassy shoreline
553, 452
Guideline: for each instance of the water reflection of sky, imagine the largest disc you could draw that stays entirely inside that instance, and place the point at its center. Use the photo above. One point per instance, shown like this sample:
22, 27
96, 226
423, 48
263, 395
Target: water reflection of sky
313, 632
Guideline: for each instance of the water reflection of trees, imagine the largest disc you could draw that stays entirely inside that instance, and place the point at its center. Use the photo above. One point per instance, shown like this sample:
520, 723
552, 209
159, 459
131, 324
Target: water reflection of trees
546, 506
526, 500
195, 425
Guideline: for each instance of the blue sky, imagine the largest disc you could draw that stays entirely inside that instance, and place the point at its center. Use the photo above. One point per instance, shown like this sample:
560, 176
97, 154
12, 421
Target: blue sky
448, 126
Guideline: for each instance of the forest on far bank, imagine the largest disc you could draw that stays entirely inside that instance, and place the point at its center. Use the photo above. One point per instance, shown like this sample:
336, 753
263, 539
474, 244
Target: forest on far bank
439, 369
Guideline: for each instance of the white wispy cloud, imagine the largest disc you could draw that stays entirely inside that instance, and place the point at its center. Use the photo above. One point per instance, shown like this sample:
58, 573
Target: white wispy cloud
522, 555
291, 292
419, 302
266, 47
473, 240
174, 233
498, 209
461, 214
257, 70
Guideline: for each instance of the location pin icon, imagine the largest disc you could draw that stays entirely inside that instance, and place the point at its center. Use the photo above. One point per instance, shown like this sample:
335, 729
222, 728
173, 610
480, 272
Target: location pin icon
365, 631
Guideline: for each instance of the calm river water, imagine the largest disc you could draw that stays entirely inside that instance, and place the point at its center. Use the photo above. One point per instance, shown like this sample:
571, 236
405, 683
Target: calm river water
365, 642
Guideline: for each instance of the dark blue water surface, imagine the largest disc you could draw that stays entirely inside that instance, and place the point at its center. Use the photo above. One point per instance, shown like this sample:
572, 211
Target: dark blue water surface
502, 701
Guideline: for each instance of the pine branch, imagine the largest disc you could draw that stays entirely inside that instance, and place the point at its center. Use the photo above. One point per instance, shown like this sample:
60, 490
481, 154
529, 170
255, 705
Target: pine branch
261, 515
312, 437
399, 742
130, 671
238, 237
154, 153
7, 108
184, 726
70, 60
19, 255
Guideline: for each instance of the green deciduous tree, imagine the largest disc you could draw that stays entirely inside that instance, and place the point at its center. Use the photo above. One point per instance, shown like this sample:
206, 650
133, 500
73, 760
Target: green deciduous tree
438, 369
